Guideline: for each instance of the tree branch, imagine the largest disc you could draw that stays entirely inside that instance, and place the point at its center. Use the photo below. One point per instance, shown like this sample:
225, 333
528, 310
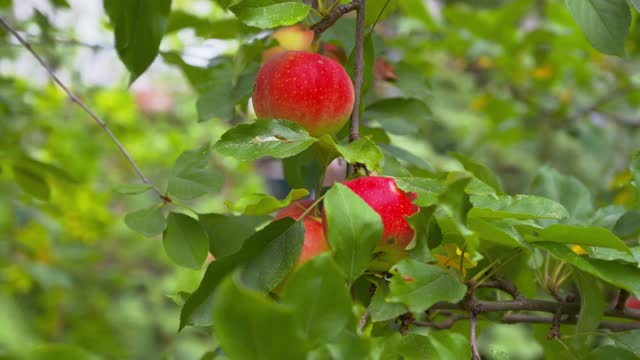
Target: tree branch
354, 130
335, 14
79, 102
529, 319
473, 321
525, 304
501, 283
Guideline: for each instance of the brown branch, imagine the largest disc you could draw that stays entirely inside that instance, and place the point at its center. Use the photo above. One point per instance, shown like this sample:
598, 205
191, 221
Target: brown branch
442, 325
525, 304
335, 14
358, 67
473, 321
623, 295
364, 319
501, 283
535, 319
79, 102
529, 319
554, 333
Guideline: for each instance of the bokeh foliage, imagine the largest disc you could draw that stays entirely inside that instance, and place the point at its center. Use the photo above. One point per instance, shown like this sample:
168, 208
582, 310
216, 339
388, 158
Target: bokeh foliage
520, 86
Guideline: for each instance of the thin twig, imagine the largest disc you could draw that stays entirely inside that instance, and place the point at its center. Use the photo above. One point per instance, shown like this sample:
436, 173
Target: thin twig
501, 283
79, 102
536, 319
554, 333
473, 320
363, 320
623, 295
335, 14
358, 68
529, 319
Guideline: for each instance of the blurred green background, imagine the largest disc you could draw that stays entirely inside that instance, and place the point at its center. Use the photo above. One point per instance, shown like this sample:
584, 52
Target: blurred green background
513, 84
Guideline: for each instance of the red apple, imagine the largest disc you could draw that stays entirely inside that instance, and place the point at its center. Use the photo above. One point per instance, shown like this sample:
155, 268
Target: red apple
394, 206
315, 241
309, 89
632, 303
295, 38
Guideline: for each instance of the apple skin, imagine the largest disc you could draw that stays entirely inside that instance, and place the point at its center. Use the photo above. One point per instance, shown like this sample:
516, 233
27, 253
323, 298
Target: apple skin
394, 206
632, 303
306, 88
315, 241
295, 38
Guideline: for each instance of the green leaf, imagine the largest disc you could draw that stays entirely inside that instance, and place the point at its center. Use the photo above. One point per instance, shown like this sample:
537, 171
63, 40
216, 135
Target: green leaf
304, 169
185, 241
191, 159
275, 260
579, 235
208, 29
363, 151
516, 207
132, 189
427, 189
406, 157
607, 352
497, 231
194, 183
380, 309
419, 285
438, 345
378, 10
605, 23
406, 347
277, 138
149, 222
191, 177
615, 255
567, 190
321, 318
629, 340
592, 306
227, 233
138, 28
260, 204
628, 225
349, 345
636, 4
32, 183
354, 230
274, 245
616, 274
399, 115
249, 325
448, 345
482, 172
266, 14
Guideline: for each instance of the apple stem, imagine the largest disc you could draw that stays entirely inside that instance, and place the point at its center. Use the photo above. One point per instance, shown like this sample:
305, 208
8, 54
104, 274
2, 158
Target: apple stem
82, 105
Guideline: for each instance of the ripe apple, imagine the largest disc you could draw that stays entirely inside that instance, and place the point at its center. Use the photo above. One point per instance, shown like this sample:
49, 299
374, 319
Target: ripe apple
315, 241
295, 38
309, 89
632, 303
394, 206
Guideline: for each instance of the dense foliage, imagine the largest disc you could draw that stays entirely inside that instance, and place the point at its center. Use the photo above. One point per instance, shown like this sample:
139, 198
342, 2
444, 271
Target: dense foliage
512, 125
